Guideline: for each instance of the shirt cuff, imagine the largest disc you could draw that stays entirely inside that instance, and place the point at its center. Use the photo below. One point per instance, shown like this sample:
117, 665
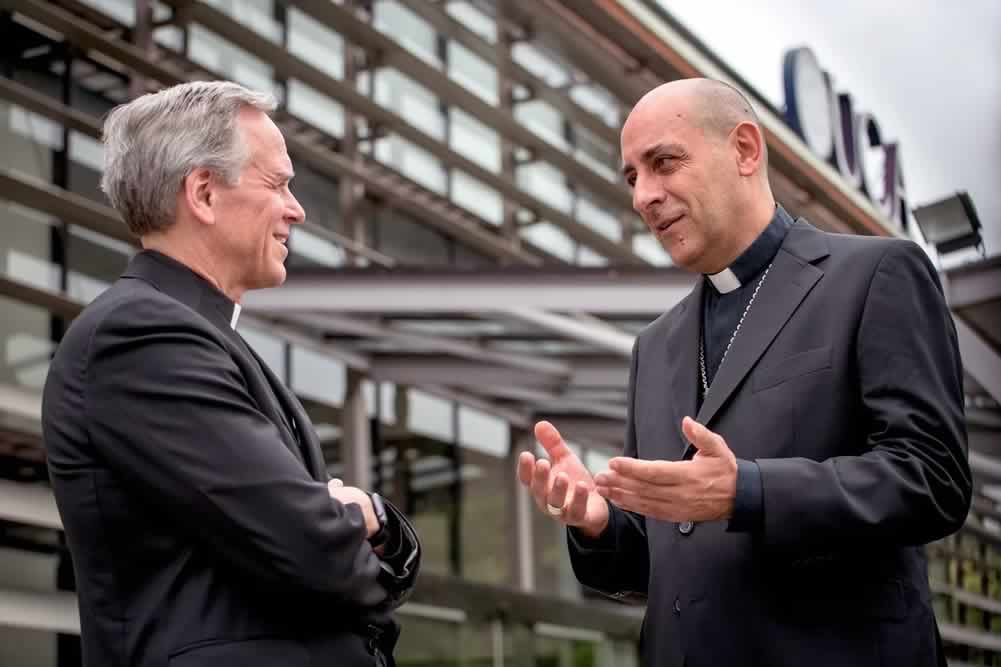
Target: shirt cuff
748, 504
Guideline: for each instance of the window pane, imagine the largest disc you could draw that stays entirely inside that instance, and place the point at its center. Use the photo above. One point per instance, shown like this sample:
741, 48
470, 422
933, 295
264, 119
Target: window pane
598, 219
315, 108
411, 161
430, 415
317, 376
547, 183
473, 139
543, 120
482, 24
411, 31
315, 43
25, 345
477, 198
649, 248
255, 14
416, 103
472, 72
229, 60
551, 238
271, 349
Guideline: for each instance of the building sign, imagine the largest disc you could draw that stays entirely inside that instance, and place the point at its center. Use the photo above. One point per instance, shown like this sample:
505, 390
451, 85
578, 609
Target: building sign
851, 141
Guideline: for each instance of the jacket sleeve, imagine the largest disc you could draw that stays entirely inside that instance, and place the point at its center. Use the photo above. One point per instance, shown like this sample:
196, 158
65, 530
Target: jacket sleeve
617, 562
911, 483
169, 412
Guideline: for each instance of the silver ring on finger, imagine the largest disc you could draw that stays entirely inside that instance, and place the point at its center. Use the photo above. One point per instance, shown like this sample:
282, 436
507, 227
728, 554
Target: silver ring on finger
554, 511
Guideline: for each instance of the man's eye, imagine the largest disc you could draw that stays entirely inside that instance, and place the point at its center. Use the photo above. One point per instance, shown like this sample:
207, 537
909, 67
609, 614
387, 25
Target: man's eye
663, 163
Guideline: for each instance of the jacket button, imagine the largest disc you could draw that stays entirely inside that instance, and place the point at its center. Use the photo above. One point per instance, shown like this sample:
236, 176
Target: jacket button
686, 527
677, 606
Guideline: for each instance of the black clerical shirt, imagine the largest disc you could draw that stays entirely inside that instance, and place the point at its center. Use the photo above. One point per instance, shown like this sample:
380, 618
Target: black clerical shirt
724, 300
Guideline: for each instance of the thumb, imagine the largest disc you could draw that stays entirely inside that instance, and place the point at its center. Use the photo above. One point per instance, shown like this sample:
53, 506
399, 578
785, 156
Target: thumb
704, 440
551, 440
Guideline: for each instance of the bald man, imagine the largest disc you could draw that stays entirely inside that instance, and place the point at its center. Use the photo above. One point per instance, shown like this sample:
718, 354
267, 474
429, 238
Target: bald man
795, 430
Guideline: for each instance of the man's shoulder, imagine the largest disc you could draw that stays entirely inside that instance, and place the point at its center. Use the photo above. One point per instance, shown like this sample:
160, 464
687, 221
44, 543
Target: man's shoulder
857, 251
128, 304
860, 243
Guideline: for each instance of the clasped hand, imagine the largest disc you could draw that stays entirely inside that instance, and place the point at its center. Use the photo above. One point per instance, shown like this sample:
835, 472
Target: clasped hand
700, 489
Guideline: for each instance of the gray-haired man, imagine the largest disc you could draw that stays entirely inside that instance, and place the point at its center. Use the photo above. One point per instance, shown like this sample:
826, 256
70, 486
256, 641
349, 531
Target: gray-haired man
190, 482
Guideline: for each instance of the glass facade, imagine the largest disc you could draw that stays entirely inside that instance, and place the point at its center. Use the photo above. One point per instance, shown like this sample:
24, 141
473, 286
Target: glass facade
532, 177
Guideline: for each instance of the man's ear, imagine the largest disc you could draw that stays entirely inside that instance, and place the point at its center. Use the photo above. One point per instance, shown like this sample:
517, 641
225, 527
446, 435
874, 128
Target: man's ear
750, 148
198, 192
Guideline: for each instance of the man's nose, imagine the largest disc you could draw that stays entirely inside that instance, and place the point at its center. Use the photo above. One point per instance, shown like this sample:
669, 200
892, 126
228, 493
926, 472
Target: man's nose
646, 192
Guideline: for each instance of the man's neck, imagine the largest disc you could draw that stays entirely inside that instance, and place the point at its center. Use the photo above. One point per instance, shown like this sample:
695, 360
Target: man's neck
761, 217
196, 258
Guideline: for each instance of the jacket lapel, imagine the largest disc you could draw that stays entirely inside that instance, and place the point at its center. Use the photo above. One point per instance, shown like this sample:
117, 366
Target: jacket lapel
790, 279
681, 357
305, 443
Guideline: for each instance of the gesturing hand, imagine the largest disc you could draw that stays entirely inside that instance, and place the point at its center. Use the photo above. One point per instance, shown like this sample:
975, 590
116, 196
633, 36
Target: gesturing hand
561, 485
702, 489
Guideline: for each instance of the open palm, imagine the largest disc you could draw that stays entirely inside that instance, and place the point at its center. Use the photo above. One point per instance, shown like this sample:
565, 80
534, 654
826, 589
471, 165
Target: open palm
561, 480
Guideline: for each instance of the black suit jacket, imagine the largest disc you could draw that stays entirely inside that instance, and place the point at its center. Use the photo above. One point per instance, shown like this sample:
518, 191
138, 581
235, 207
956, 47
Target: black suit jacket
845, 385
200, 525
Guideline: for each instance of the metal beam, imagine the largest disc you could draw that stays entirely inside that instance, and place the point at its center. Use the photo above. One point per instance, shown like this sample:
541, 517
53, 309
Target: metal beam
444, 24
974, 285
20, 410
395, 188
49, 107
414, 341
54, 302
344, 21
59, 203
577, 427
624, 77
30, 504
618, 342
598, 373
979, 359
956, 634
51, 612
394, 55
985, 466
424, 370
643, 292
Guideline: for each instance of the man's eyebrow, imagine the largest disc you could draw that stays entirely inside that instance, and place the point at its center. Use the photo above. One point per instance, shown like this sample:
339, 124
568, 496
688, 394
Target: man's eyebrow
649, 153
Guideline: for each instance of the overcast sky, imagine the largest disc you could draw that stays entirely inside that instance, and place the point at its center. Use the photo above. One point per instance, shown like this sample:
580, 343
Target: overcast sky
929, 71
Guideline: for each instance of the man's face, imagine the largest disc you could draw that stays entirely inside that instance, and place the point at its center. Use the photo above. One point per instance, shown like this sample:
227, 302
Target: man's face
680, 180
255, 216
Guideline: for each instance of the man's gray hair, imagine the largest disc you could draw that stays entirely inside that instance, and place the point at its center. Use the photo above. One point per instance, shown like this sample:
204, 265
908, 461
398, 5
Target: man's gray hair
152, 143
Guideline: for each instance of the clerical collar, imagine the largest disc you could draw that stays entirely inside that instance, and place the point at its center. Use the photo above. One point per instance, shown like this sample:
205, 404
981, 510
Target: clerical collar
757, 256
179, 281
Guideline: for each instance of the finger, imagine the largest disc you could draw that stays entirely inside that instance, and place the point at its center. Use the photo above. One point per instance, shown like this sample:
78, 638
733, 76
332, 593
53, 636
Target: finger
663, 473
335, 483
540, 482
576, 509
704, 440
526, 465
551, 440
558, 495
626, 500
637, 486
